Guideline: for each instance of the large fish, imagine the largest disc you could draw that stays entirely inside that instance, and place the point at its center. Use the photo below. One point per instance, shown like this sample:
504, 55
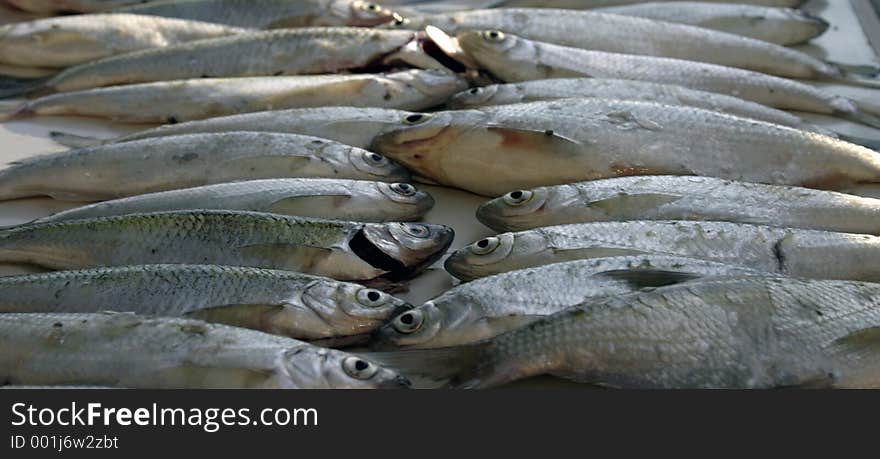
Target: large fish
131, 351
70, 6
789, 251
634, 35
783, 26
341, 250
669, 197
278, 302
514, 59
195, 99
335, 199
70, 40
733, 333
486, 307
495, 150
270, 13
131, 168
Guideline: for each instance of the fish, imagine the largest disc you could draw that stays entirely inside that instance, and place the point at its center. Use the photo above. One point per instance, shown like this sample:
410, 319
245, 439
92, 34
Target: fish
783, 26
355, 126
731, 333
302, 51
277, 302
600, 88
201, 98
348, 251
669, 197
61, 42
333, 199
151, 165
788, 251
487, 307
142, 352
269, 14
567, 4
514, 59
69, 6
614, 33
495, 150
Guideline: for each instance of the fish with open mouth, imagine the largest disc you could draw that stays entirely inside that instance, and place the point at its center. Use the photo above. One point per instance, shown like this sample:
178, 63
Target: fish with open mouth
141, 352
196, 99
788, 251
151, 165
486, 307
349, 251
278, 302
495, 150
333, 199
270, 14
667, 197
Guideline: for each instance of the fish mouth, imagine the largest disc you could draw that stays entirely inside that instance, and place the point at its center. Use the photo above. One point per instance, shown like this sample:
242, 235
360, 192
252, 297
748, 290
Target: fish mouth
405, 263
422, 52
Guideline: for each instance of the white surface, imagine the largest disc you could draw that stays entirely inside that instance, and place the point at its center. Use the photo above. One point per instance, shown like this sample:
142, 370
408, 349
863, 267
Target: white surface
844, 42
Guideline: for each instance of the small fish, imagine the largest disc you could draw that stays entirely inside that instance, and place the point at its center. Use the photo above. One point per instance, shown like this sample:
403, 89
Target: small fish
158, 164
493, 305
334, 199
138, 352
789, 251
734, 333
278, 302
669, 197
188, 100
348, 251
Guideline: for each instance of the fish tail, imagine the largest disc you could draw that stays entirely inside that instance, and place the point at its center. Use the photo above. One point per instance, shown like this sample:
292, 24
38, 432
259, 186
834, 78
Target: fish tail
75, 141
860, 75
873, 144
451, 367
15, 87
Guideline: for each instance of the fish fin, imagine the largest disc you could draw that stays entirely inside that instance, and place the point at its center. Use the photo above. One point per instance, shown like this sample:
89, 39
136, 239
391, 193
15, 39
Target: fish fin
75, 141
860, 117
522, 137
15, 87
430, 368
644, 278
284, 256
860, 351
237, 315
861, 344
861, 75
873, 144
299, 205
634, 204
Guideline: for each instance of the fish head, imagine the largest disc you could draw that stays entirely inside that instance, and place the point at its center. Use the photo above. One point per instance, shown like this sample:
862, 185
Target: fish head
415, 328
351, 309
312, 367
473, 97
405, 194
377, 165
497, 254
357, 13
430, 82
403, 249
488, 48
515, 210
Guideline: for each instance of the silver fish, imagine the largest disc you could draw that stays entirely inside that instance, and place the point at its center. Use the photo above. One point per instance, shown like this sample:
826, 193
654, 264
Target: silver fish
132, 168
188, 100
568, 4
70, 40
514, 59
789, 251
493, 305
681, 198
69, 6
130, 351
495, 150
726, 333
352, 200
341, 250
278, 302
783, 26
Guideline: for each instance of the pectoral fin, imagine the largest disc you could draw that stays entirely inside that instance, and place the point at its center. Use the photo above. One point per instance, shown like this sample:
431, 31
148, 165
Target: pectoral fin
633, 204
531, 139
300, 258
254, 316
860, 352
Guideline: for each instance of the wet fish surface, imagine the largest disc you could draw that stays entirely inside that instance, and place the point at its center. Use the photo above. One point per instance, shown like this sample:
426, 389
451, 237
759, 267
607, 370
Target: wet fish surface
69, 6
681, 198
159, 164
130, 351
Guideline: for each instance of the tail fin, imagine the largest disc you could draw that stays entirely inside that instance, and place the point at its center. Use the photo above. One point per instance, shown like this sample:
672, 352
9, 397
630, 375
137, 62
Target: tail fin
433, 368
15, 87
860, 75
75, 141
873, 144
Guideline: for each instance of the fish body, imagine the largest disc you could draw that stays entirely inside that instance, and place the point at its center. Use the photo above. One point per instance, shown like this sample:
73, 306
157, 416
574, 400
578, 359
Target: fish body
196, 99
788, 251
278, 302
69, 6
486, 307
130, 351
568, 140
151, 165
61, 42
352, 200
681, 198
783, 26
567, 4
341, 250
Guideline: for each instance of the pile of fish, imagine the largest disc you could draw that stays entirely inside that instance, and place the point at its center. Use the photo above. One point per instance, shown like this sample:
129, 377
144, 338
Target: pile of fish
665, 220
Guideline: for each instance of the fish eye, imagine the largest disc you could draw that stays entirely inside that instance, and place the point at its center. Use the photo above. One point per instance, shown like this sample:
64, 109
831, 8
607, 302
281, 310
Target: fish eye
494, 35
375, 159
371, 298
409, 321
485, 246
518, 198
404, 189
419, 231
475, 91
399, 20
416, 118
359, 368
